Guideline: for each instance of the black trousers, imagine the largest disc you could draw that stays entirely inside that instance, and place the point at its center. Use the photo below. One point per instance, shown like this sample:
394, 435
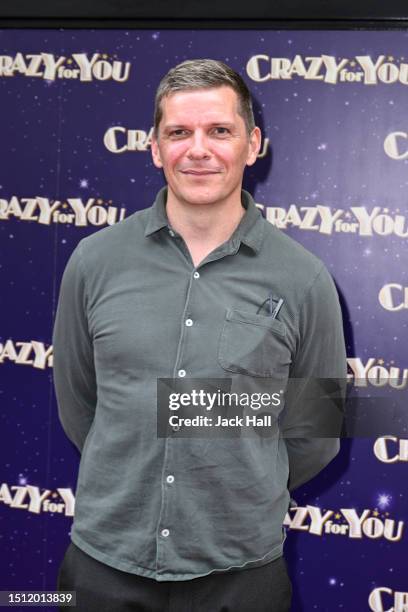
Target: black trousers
100, 588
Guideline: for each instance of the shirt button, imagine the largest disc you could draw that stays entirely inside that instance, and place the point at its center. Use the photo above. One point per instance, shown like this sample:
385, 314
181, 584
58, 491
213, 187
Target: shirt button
189, 322
170, 478
165, 533
181, 373
175, 427
196, 275
171, 233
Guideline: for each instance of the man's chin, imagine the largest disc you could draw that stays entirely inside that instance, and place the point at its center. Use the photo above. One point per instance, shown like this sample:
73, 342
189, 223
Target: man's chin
200, 197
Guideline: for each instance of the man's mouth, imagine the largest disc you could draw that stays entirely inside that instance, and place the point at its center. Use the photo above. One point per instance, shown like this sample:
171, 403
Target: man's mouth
199, 172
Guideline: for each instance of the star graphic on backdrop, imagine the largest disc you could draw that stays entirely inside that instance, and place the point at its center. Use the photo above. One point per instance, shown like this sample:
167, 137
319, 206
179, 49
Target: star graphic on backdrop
384, 500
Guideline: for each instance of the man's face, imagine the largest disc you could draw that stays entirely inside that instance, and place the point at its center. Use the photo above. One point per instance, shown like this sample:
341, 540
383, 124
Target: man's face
203, 145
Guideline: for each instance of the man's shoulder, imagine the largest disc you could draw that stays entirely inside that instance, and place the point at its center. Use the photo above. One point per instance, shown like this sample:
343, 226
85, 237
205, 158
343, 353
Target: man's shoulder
117, 236
289, 253
297, 272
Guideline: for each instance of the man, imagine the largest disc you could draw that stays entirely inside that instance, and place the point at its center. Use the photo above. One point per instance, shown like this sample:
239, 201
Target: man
200, 285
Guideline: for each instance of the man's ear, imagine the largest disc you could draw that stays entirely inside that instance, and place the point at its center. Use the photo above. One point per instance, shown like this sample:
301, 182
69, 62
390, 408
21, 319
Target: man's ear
156, 153
255, 139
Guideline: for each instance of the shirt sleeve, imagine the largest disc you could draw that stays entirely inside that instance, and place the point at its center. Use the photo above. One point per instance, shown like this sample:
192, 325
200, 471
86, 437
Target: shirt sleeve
320, 360
73, 361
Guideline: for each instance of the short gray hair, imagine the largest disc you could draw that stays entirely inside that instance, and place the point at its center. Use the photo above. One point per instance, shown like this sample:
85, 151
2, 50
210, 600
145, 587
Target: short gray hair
204, 74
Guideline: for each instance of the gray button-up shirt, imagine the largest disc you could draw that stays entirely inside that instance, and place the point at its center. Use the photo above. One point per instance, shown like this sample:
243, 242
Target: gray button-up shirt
133, 308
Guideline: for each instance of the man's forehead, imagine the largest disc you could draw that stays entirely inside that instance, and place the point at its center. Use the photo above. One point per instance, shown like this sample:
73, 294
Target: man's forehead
213, 104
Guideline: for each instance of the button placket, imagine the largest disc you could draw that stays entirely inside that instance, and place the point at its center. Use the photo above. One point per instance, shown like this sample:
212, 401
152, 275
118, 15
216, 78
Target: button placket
168, 464
188, 322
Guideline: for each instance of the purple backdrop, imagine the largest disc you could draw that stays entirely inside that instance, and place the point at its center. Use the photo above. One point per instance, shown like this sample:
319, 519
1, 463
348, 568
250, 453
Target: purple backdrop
75, 138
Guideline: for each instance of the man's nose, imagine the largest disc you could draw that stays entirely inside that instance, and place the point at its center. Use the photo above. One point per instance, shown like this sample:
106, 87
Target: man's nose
198, 146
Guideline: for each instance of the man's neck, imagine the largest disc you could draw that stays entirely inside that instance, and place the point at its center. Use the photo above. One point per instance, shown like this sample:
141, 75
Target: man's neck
205, 225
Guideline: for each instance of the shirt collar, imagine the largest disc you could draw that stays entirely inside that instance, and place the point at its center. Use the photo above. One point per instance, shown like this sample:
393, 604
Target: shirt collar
249, 230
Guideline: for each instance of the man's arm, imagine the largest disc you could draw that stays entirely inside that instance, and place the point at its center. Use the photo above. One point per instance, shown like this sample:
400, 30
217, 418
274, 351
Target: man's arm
320, 355
73, 363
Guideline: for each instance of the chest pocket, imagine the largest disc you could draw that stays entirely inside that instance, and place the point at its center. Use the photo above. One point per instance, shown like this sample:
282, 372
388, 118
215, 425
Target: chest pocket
254, 344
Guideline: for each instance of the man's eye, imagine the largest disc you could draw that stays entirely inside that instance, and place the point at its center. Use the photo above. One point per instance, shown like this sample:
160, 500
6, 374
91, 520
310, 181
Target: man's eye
221, 131
177, 133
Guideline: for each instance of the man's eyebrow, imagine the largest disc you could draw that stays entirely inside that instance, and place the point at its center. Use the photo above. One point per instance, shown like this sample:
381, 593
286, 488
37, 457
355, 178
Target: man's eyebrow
173, 126
223, 123
178, 126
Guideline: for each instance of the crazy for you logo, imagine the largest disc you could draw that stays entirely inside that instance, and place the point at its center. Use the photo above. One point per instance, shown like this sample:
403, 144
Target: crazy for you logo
47, 66
372, 524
